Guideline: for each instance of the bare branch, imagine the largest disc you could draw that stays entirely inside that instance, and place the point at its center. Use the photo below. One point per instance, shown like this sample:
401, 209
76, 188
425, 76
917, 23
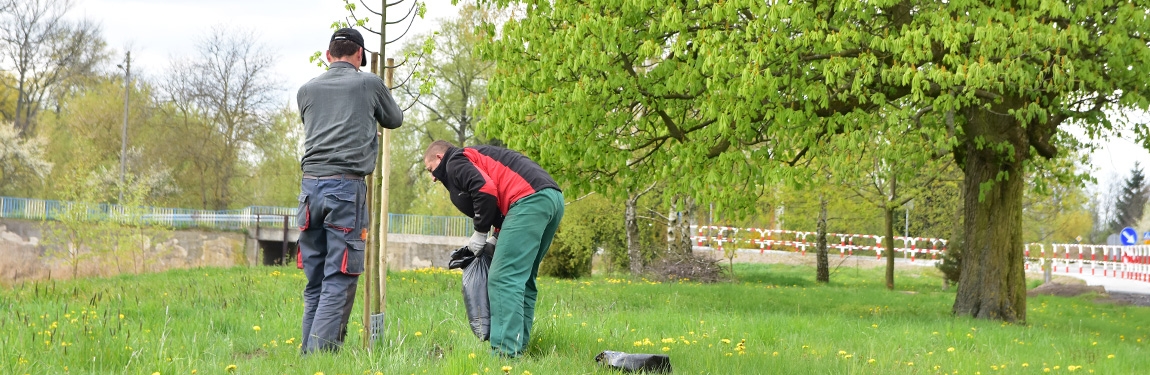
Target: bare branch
578, 199
369, 8
409, 12
404, 32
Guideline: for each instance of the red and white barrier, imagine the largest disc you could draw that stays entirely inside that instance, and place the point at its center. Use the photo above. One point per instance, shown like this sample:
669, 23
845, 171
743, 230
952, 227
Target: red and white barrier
1126, 262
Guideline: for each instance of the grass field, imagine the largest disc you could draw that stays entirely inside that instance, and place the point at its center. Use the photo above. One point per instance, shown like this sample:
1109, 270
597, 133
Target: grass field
774, 320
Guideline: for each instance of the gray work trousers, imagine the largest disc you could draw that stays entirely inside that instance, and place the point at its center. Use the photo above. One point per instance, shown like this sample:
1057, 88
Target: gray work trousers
332, 220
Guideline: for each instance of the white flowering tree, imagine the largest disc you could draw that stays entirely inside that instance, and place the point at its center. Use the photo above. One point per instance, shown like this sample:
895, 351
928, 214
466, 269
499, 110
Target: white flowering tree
21, 159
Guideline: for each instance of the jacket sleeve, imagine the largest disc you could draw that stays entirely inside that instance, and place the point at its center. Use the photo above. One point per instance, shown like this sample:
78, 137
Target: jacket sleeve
386, 112
482, 191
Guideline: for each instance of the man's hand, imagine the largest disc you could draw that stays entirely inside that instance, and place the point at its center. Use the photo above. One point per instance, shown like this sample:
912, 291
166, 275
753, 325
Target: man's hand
477, 240
491, 240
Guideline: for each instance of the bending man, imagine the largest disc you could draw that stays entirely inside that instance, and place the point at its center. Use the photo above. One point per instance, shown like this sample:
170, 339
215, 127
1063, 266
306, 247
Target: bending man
510, 195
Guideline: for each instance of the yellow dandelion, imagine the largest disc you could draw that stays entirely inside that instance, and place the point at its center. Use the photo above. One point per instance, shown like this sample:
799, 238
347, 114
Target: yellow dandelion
230, 368
417, 333
842, 352
290, 341
1024, 364
1110, 356
319, 373
1046, 369
725, 341
666, 349
870, 360
929, 353
638, 343
600, 339
256, 328
472, 356
526, 372
156, 373
950, 350
993, 367
776, 354
728, 354
506, 369
121, 316
910, 363
1057, 367
848, 356
193, 371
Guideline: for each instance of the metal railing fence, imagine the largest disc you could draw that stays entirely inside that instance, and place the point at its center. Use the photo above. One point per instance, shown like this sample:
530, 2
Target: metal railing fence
244, 218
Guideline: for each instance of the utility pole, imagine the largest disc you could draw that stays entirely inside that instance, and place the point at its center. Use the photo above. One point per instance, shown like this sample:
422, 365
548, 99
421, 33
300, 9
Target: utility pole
124, 129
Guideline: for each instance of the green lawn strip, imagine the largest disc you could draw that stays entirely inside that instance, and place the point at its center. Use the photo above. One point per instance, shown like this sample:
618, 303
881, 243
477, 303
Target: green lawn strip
774, 320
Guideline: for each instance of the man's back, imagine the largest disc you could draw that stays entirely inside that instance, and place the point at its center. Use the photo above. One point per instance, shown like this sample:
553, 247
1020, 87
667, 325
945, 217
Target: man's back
339, 111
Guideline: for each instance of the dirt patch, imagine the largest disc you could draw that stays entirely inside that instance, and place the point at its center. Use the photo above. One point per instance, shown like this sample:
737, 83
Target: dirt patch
1070, 287
258, 353
1065, 290
694, 267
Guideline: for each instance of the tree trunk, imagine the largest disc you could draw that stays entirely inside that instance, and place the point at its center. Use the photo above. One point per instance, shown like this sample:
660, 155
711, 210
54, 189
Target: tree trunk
993, 284
679, 227
888, 215
630, 222
823, 273
21, 125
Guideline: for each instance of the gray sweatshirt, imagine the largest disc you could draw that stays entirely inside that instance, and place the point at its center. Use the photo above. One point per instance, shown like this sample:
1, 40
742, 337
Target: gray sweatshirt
339, 110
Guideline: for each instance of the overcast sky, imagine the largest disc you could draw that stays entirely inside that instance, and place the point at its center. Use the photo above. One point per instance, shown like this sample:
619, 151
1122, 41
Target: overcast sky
157, 31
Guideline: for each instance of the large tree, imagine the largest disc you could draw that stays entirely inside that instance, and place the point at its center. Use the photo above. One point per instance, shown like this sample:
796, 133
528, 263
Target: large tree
45, 54
1131, 201
718, 95
449, 82
225, 96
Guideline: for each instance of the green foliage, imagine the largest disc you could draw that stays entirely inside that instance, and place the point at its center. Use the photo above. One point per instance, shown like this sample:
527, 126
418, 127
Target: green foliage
588, 225
275, 176
86, 135
80, 231
205, 319
615, 95
449, 84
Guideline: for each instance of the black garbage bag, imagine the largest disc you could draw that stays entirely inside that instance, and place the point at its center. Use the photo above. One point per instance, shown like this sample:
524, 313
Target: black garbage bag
475, 269
656, 363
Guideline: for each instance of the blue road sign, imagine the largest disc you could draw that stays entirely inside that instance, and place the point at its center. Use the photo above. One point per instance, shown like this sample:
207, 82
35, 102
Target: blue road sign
1129, 236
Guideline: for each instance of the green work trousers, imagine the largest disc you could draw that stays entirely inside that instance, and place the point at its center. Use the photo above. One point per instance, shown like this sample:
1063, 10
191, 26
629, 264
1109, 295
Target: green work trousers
527, 231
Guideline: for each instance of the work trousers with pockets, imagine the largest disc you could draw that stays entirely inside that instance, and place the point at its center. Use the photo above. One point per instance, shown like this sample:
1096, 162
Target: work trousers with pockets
527, 232
332, 217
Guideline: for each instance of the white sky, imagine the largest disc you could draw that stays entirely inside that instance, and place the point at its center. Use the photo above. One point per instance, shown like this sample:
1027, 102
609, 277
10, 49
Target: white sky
159, 30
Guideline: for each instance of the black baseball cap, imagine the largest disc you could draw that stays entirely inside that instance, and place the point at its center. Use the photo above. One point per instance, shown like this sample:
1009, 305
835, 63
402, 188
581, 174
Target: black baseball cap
354, 36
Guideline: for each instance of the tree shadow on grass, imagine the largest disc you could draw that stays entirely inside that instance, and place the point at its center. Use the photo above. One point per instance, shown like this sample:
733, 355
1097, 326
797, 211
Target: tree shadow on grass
773, 279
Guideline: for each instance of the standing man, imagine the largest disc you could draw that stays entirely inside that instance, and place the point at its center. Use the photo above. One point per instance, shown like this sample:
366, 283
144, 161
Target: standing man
339, 110
504, 190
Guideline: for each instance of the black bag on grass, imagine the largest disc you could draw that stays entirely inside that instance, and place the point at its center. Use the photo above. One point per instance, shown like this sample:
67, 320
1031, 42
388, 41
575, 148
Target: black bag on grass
475, 269
655, 363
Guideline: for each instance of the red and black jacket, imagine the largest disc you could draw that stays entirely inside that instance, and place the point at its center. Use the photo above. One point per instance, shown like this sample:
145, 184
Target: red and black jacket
484, 181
